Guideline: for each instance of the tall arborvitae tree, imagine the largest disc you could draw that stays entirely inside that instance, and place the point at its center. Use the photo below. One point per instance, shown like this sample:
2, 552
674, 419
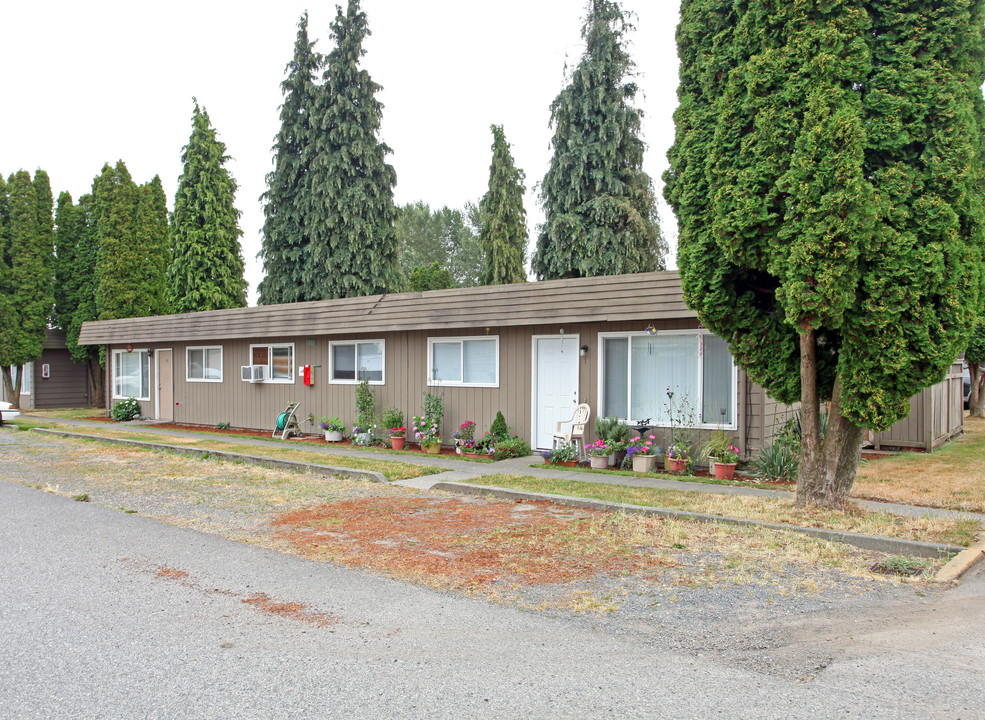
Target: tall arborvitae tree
504, 221
206, 271
25, 274
349, 210
284, 247
601, 214
114, 219
75, 282
153, 237
827, 177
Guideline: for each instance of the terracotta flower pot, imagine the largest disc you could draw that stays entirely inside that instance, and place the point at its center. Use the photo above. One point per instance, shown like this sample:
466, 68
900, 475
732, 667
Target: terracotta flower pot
397, 442
675, 464
644, 463
724, 471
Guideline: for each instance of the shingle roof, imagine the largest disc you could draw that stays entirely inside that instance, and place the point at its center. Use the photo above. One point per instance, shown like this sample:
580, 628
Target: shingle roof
642, 296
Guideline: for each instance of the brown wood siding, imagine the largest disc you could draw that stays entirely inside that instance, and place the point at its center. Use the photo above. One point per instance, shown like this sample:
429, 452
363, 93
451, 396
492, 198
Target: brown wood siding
67, 385
256, 405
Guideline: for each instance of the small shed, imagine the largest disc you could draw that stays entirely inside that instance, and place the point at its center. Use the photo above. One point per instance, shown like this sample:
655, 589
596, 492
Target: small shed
53, 380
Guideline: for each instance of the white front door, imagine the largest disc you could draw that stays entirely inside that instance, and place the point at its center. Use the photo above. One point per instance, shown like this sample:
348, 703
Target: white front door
555, 384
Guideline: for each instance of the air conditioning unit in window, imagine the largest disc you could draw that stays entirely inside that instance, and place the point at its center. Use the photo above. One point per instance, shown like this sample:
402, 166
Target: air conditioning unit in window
253, 373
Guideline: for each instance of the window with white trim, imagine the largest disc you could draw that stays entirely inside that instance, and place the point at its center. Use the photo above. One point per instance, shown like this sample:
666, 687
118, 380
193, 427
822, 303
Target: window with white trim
464, 361
131, 374
24, 371
351, 362
203, 364
638, 370
279, 360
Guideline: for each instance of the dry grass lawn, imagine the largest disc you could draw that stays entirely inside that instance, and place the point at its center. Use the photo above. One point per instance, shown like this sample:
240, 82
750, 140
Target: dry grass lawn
766, 509
951, 477
391, 469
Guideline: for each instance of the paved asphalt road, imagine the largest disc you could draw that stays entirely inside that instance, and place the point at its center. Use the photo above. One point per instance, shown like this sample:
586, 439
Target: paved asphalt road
110, 615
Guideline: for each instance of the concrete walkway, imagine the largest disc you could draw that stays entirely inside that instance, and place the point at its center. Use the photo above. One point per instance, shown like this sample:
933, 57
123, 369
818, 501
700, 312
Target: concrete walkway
469, 471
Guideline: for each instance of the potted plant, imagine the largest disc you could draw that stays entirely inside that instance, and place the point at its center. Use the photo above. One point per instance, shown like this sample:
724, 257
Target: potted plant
676, 459
428, 426
724, 463
393, 423
398, 437
643, 453
599, 454
614, 433
362, 435
563, 454
463, 436
333, 428
485, 446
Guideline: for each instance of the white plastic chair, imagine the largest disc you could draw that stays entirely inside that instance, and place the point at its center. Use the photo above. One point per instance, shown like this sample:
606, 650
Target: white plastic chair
575, 434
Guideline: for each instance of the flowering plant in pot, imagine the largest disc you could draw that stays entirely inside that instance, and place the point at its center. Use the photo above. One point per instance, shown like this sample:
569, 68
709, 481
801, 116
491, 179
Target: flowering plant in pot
563, 454
398, 437
599, 453
642, 452
724, 463
676, 458
333, 428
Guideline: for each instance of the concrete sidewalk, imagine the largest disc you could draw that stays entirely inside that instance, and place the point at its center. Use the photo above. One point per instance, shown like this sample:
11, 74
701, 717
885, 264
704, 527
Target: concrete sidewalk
466, 470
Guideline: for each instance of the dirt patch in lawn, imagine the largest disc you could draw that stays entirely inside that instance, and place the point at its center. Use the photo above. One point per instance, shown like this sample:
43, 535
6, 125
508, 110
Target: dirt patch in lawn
463, 544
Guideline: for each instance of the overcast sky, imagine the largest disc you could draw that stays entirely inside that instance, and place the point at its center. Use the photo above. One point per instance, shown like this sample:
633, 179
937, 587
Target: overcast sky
90, 83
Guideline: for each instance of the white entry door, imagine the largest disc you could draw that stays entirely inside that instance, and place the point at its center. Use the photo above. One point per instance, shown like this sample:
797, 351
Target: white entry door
555, 384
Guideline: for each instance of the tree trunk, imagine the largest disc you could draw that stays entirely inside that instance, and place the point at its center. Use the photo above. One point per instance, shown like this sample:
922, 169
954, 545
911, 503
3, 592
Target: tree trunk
976, 401
97, 395
12, 389
827, 466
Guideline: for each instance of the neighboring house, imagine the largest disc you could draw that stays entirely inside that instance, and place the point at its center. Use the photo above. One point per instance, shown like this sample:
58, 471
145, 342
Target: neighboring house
52, 381
531, 350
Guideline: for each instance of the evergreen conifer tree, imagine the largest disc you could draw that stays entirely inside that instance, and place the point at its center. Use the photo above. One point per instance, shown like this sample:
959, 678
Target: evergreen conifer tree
25, 274
504, 221
827, 178
114, 220
348, 208
207, 269
601, 216
152, 235
75, 282
284, 247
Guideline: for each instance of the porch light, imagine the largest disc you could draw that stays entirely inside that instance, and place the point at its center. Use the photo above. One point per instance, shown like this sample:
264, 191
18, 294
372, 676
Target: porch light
583, 350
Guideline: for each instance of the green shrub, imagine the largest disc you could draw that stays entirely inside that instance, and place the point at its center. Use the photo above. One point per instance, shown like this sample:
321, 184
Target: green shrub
777, 460
514, 447
499, 429
392, 418
124, 410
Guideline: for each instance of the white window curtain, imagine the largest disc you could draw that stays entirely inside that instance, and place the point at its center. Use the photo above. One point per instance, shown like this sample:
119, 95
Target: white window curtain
479, 361
615, 381
659, 364
132, 375
446, 361
717, 382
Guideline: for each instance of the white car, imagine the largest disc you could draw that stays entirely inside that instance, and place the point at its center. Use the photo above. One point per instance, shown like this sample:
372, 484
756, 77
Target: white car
6, 413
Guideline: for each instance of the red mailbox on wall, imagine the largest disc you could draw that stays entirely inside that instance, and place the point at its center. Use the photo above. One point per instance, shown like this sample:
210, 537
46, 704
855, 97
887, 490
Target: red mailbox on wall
309, 377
